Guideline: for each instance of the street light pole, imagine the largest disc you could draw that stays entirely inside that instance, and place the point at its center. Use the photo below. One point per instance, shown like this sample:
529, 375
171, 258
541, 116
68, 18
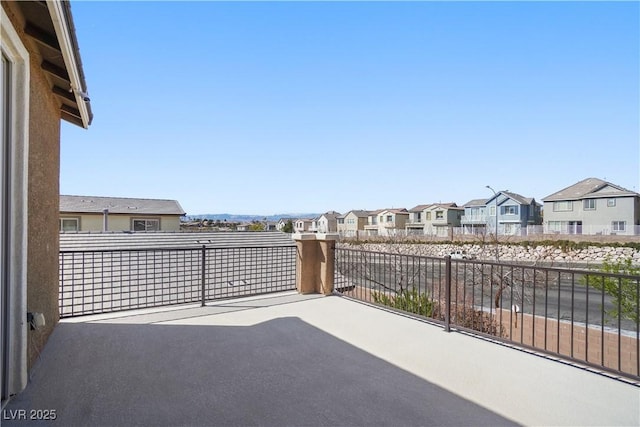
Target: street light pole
496, 229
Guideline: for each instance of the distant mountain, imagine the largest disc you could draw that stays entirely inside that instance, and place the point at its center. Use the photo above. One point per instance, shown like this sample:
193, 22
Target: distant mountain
249, 218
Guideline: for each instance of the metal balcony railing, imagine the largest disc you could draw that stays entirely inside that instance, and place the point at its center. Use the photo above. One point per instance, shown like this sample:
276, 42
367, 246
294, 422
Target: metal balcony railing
100, 281
589, 317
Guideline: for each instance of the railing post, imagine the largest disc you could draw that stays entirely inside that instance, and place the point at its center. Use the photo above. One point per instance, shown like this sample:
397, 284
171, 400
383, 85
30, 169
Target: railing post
204, 272
447, 294
315, 262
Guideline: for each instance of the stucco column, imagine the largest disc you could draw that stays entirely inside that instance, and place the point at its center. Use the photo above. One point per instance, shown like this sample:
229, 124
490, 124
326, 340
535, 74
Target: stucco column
315, 255
327, 246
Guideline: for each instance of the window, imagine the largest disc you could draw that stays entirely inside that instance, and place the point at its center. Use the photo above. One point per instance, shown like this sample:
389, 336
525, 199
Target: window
611, 203
618, 225
492, 210
146, 224
389, 218
556, 226
69, 224
439, 214
563, 206
509, 210
418, 216
428, 216
589, 204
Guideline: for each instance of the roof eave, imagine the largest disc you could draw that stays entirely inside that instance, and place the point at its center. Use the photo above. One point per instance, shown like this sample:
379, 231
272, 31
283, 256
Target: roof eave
60, 12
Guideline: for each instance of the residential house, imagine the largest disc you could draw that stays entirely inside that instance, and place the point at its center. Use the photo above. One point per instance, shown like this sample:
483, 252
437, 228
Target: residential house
387, 222
327, 222
42, 82
474, 220
243, 226
415, 225
508, 212
592, 206
301, 225
88, 213
270, 226
441, 218
352, 222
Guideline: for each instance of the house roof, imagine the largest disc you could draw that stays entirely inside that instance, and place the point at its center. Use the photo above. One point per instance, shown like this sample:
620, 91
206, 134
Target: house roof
395, 211
50, 25
476, 202
419, 208
330, 215
119, 205
518, 198
357, 213
590, 188
450, 205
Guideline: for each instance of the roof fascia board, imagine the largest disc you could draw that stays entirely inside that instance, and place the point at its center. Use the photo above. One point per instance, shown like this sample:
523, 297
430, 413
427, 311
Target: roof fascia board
60, 24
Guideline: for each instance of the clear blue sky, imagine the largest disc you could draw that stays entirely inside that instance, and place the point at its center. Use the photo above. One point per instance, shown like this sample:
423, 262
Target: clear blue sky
265, 108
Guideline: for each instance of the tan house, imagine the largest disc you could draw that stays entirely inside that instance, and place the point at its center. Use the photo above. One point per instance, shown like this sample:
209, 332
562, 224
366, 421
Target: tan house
350, 223
326, 223
441, 218
301, 225
42, 83
86, 213
387, 222
416, 222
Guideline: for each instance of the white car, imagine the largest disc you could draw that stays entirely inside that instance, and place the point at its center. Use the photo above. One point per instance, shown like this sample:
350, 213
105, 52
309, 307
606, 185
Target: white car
460, 254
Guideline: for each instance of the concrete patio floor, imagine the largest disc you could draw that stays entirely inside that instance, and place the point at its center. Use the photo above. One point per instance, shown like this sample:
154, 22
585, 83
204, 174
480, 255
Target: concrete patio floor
288, 359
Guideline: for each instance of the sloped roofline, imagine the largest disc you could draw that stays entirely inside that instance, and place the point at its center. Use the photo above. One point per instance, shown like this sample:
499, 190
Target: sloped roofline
589, 191
119, 205
62, 20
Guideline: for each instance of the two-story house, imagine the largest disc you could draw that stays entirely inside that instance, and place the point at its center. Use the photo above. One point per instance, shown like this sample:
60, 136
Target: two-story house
441, 218
508, 213
301, 225
415, 224
327, 222
515, 212
350, 223
474, 220
592, 206
387, 222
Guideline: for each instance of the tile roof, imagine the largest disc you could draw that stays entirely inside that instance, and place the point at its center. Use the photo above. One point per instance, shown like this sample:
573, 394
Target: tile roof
119, 205
358, 213
419, 208
589, 188
330, 215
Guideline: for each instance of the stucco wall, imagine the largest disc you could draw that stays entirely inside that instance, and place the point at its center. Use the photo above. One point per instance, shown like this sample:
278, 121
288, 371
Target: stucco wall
43, 191
117, 222
600, 218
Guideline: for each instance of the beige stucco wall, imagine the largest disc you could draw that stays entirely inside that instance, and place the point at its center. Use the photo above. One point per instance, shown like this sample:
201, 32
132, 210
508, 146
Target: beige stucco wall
43, 191
119, 222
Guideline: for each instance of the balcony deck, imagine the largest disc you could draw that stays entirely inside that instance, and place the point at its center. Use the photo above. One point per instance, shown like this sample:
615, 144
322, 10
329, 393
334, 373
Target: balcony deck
290, 359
